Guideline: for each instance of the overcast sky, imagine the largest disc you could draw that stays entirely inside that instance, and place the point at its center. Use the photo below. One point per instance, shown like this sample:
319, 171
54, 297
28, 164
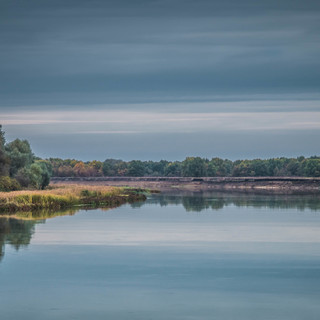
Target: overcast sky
157, 79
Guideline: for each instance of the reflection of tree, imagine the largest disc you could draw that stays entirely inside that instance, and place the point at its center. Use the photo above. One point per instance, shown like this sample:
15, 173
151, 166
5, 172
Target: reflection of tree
15, 232
217, 204
44, 214
301, 203
18, 232
198, 201
136, 205
195, 203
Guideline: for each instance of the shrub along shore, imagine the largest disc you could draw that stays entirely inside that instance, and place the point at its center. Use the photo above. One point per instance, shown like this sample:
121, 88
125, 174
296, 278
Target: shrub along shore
67, 196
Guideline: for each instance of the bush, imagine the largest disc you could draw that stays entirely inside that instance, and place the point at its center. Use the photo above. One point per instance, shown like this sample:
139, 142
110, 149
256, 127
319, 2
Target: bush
23, 177
9, 184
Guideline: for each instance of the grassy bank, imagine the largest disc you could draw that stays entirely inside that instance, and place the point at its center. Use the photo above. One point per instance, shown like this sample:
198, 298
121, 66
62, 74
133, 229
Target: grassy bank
67, 196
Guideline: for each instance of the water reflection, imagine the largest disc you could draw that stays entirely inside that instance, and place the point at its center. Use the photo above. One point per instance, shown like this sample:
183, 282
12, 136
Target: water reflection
43, 214
232, 261
199, 201
17, 230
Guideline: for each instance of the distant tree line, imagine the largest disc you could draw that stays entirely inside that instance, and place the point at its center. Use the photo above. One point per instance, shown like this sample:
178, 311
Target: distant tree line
190, 167
20, 168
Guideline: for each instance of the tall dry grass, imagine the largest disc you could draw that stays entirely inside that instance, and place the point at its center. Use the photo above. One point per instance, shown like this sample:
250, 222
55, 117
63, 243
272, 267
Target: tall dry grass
64, 190
62, 196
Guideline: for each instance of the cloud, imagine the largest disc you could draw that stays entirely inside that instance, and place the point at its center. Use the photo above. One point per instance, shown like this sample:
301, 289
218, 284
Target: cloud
120, 73
108, 132
148, 50
107, 122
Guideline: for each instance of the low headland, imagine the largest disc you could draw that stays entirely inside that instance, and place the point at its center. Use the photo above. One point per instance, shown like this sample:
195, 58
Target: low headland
62, 196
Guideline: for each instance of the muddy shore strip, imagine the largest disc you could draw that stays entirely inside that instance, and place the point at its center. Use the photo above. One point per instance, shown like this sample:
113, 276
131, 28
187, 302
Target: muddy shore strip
239, 184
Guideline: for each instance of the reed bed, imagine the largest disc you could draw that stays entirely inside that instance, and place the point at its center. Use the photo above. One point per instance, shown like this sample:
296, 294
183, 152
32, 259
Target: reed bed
65, 196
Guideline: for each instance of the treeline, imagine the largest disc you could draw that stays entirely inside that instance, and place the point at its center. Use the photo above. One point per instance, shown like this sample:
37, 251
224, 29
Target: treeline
20, 168
190, 167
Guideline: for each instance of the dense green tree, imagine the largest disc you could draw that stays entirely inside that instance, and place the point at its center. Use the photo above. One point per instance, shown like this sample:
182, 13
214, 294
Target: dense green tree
46, 173
122, 168
114, 167
293, 168
194, 167
109, 167
158, 168
20, 155
136, 168
173, 169
241, 169
251, 168
23, 177
312, 167
220, 167
2, 137
18, 161
4, 160
211, 169
258, 167
37, 175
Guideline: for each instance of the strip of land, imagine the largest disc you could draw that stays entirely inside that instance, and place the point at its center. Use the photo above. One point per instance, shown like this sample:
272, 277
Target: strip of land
245, 184
64, 196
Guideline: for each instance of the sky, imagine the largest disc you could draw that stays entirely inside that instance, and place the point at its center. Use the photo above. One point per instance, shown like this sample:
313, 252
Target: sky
161, 79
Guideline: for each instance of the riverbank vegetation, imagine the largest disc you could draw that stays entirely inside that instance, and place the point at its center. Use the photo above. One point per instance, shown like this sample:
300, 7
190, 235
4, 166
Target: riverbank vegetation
190, 167
67, 196
19, 168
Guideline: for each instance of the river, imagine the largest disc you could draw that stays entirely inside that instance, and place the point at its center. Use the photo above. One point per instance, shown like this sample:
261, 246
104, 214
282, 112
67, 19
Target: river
176, 256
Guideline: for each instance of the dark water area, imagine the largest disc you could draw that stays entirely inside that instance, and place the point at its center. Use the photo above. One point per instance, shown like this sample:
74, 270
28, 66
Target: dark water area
176, 256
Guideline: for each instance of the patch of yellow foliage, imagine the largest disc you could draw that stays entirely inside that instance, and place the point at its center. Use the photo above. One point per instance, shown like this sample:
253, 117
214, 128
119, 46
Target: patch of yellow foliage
68, 190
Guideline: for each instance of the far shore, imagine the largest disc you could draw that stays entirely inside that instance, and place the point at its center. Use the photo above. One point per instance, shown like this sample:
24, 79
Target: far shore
276, 185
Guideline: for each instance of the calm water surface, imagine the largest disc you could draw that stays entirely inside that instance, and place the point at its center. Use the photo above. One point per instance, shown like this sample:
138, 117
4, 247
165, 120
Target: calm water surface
176, 256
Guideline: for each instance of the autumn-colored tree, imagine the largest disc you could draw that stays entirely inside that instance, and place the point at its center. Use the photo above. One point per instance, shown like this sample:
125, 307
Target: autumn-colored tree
79, 169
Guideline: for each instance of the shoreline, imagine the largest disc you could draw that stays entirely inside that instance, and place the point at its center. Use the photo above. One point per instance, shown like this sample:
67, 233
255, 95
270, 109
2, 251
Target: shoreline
68, 196
274, 185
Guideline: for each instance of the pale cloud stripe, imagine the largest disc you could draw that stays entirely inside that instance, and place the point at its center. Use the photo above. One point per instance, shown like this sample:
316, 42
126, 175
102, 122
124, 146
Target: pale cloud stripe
103, 121
245, 103
109, 132
9, 122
